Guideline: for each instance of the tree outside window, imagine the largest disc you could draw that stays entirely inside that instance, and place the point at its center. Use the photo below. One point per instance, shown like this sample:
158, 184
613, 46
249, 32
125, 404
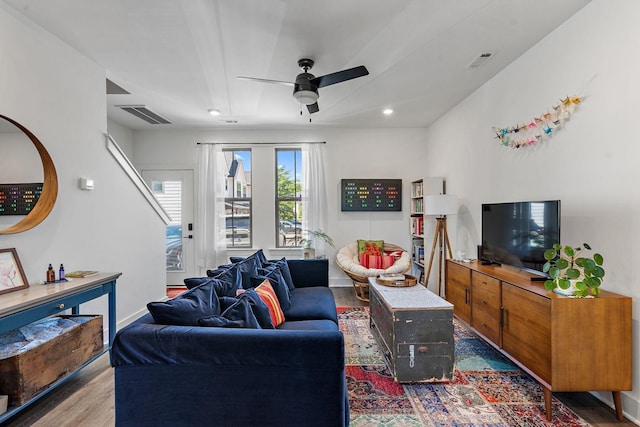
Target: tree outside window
289, 197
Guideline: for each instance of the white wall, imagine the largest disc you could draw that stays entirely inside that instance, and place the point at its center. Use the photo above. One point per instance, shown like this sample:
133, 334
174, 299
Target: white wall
351, 153
123, 137
60, 96
590, 164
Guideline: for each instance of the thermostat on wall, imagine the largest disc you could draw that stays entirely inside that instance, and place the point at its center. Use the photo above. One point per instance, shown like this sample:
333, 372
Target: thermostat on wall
86, 184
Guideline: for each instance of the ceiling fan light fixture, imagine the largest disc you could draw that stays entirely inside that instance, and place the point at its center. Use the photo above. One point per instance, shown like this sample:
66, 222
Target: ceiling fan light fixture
387, 111
306, 97
214, 112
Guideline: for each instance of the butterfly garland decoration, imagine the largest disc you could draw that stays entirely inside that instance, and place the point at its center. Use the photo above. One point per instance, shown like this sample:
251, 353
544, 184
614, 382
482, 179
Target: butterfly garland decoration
538, 128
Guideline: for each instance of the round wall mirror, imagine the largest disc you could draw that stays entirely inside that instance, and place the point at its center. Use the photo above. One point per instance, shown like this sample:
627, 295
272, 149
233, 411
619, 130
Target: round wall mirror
25, 165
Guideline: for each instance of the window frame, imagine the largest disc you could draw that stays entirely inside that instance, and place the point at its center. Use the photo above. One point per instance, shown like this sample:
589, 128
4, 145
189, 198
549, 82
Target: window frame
231, 199
281, 239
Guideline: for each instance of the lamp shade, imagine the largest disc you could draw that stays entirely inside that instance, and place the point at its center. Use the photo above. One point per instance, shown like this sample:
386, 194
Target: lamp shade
306, 97
441, 204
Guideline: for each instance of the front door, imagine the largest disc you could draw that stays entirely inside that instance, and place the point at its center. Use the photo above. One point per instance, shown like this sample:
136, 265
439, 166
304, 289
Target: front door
174, 191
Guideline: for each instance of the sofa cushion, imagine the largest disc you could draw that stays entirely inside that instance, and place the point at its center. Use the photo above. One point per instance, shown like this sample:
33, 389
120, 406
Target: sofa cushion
258, 255
235, 315
308, 325
248, 269
282, 265
230, 280
277, 282
311, 304
192, 282
187, 308
370, 247
259, 308
268, 296
218, 270
239, 315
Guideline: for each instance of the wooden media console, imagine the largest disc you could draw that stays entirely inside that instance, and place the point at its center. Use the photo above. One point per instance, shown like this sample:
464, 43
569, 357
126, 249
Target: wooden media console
565, 343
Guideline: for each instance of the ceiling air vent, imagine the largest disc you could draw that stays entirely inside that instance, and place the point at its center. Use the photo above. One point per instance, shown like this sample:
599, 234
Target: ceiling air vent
481, 60
142, 112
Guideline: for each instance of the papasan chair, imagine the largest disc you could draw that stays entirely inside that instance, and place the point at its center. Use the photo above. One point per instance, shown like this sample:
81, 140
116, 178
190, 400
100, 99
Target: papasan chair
348, 260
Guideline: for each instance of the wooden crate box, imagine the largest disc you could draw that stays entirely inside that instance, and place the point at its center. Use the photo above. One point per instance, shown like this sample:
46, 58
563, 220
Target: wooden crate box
34, 357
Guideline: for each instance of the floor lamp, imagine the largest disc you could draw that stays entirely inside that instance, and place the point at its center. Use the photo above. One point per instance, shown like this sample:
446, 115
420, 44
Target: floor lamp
440, 206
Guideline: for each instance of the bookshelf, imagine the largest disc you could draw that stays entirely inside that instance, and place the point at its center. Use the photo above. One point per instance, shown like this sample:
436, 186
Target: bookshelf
419, 227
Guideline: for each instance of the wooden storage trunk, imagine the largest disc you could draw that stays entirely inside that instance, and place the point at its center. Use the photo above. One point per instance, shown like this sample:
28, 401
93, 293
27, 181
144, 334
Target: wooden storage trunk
414, 329
37, 365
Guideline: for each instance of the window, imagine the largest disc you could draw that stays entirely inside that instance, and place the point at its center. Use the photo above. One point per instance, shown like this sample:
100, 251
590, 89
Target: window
238, 198
169, 195
288, 197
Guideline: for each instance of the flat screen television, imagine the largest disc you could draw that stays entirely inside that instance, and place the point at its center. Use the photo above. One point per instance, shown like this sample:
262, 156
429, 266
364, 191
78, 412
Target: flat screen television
518, 233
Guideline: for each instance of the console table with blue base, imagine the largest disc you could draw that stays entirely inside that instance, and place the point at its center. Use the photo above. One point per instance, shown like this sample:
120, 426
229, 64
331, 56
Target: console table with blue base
39, 301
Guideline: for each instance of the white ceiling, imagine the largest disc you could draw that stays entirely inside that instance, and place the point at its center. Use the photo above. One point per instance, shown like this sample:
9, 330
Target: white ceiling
181, 58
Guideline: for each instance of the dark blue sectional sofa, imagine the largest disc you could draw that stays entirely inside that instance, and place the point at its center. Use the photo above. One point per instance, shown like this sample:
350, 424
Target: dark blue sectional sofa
233, 375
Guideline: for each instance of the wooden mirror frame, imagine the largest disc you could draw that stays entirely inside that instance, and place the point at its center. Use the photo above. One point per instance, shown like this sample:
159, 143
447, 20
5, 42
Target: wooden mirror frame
49, 187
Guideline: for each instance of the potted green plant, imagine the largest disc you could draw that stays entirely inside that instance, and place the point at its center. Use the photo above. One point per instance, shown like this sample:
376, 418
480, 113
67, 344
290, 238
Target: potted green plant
308, 251
573, 274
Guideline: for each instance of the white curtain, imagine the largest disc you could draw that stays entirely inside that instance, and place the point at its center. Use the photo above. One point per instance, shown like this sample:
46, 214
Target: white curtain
210, 239
314, 193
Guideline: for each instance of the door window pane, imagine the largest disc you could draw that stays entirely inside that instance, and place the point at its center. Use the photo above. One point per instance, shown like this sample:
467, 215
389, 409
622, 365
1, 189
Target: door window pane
169, 195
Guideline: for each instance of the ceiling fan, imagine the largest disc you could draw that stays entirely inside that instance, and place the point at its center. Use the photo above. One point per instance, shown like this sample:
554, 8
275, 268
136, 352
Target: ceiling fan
305, 88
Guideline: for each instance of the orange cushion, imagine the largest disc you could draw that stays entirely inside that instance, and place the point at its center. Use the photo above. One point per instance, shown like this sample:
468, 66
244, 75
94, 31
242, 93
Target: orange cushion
268, 296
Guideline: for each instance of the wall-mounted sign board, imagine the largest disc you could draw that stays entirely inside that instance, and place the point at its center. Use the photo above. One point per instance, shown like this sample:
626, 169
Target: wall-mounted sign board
19, 199
371, 195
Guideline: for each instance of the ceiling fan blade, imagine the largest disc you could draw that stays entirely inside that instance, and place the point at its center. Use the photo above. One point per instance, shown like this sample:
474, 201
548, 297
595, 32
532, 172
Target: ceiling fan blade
265, 80
339, 76
313, 108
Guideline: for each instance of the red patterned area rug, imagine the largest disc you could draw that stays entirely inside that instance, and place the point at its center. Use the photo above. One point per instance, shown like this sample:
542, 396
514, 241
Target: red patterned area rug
487, 389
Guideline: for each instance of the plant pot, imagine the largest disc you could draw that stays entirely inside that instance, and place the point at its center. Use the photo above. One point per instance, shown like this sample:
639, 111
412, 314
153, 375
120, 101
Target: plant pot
308, 253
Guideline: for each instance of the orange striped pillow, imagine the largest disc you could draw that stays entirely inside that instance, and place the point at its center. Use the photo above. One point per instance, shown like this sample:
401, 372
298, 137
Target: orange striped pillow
268, 296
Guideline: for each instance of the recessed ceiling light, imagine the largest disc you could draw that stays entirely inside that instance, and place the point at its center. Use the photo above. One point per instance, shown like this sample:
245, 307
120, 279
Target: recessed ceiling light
387, 111
214, 112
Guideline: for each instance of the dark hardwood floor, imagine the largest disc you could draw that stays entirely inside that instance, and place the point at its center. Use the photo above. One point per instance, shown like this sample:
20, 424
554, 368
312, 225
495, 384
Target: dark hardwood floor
87, 399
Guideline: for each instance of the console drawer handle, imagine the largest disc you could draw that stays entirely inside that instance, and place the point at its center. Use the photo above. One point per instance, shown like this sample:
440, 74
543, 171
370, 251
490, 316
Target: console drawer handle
61, 306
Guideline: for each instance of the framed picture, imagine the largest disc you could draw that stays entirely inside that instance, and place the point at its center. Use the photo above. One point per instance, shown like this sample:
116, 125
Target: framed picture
12, 276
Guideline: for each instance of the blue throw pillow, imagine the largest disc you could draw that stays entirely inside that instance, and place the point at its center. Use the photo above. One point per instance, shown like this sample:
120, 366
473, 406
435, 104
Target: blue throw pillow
239, 315
230, 281
187, 308
284, 270
214, 273
192, 282
248, 267
258, 256
277, 282
259, 308
261, 257
246, 311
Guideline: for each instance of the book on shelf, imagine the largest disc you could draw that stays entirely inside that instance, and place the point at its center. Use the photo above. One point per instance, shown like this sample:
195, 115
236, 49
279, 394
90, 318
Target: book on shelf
417, 206
417, 226
417, 189
80, 274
